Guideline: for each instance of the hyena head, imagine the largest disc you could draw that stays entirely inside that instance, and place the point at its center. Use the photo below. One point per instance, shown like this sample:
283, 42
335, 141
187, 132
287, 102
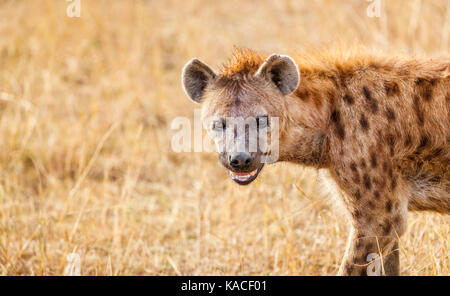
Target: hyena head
243, 111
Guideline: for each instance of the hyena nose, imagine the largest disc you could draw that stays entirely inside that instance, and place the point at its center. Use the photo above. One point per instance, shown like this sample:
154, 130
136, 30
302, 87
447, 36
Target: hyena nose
240, 160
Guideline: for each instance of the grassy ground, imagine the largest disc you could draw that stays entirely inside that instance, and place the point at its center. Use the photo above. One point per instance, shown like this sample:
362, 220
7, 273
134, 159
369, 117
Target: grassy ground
85, 160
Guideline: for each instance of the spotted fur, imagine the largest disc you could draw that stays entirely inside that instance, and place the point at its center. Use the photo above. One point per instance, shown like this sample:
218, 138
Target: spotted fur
380, 126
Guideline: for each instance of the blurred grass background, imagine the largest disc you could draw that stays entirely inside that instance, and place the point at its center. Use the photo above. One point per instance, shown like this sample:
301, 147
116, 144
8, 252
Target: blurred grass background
85, 160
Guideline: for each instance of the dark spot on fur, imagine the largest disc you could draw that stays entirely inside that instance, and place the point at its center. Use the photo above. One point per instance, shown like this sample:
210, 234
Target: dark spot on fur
372, 103
335, 116
357, 195
419, 164
390, 140
418, 110
436, 153
363, 163
390, 173
373, 160
388, 206
348, 268
371, 205
391, 88
367, 182
393, 183
427, 94
390, 115
423, 142
303, 94
364, 123
367, 93
425, 88
357, 214
420, 81
376, 194
375, 66
429, 157
353, 166
349, 99
340, 131
387, 227
435, 179
408, 140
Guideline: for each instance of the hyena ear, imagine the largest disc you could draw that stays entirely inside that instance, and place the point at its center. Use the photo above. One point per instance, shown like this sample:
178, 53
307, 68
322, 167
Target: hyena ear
282, 71
195, 77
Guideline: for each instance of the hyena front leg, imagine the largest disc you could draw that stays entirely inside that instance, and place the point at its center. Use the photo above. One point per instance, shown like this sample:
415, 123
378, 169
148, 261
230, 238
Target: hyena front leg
374, 235
363, 254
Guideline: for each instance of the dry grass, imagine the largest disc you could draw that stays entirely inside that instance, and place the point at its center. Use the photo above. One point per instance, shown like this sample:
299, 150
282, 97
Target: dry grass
86, 164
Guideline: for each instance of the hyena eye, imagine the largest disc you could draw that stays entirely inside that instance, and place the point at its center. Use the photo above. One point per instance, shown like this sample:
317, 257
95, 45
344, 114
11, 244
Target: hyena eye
263, 121
218, 125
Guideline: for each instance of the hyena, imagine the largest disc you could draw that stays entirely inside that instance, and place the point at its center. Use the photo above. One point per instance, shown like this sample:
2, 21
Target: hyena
380, 126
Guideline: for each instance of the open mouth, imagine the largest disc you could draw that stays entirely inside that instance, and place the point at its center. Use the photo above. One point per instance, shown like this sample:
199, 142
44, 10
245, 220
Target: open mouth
246, 178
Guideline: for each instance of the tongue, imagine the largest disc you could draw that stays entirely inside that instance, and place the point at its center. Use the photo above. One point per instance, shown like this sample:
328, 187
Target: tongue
241, 174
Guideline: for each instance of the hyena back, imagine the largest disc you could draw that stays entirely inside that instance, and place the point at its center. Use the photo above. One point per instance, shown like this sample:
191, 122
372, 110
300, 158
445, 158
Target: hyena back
381, 127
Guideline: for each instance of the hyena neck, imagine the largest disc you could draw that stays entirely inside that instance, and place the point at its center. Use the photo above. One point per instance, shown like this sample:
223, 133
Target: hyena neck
305, 135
